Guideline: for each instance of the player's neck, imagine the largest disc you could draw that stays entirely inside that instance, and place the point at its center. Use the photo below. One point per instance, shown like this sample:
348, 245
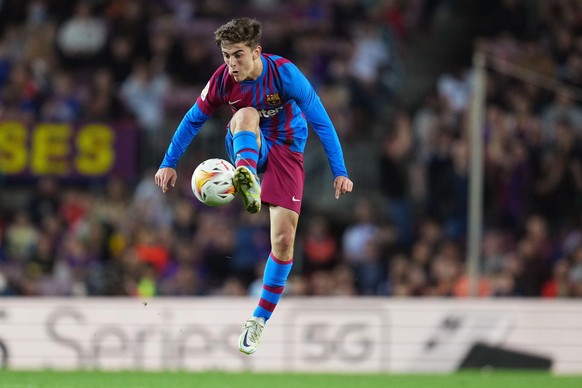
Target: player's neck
257, 71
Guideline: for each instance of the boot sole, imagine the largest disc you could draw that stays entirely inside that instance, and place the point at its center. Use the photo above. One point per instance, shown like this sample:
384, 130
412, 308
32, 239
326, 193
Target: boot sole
244, 183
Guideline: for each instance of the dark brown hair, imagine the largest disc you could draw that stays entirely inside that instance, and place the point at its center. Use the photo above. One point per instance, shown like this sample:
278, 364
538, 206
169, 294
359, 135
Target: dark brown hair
243, 30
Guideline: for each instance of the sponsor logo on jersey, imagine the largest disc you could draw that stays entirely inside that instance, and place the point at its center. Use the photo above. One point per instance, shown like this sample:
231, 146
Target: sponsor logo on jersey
266, 113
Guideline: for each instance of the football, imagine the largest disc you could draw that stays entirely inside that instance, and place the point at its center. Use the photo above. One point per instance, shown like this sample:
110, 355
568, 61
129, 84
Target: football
212, 182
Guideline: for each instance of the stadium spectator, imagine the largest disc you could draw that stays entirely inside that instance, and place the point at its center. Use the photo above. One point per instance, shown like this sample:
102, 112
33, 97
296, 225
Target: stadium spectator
370, 59
120, 57
361, 246
445, 270
510, 17
558, 188
62, 104
455, 89
102, 102
321, 283
143, 91
563, 109
21, 97
319, 246
184, 276
394, 161
559, 284
509, 174
195, 63
396, 283
21, 238
82, 38
217, 248
344, 280
251, 244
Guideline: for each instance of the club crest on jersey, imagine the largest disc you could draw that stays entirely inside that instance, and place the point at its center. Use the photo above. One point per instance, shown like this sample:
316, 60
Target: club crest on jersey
273, 99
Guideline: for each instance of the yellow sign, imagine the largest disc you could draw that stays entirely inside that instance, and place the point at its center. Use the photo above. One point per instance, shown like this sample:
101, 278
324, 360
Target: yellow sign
57, 149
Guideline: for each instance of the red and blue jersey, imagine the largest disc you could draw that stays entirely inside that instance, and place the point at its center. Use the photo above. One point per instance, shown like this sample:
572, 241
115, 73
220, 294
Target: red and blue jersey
286, 102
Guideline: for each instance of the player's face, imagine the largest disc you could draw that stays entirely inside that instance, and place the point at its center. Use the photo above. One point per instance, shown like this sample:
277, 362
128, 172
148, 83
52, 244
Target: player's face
243, 62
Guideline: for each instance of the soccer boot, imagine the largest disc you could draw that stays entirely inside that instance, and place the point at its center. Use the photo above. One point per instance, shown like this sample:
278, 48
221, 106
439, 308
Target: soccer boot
247, 184
251, 336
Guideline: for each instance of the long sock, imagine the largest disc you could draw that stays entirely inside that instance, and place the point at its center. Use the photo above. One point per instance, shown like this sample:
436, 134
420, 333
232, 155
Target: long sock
274, 278
246, 150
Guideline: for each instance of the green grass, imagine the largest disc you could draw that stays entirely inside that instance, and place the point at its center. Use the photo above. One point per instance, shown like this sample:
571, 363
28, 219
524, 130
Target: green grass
80, 379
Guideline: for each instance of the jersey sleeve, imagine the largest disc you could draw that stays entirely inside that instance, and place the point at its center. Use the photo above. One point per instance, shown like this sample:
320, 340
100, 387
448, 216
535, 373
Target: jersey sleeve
297, 87
185, 133
206, 104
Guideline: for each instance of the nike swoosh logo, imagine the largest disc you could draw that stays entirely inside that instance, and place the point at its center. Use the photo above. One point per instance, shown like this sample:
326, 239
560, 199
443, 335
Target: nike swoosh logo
245, 343
234, 102
295, 199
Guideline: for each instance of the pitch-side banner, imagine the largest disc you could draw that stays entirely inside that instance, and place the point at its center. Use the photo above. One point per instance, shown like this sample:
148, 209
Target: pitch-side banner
77, 151
314, 334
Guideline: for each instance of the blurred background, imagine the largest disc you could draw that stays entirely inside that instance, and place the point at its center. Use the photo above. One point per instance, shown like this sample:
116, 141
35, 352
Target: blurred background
91, 91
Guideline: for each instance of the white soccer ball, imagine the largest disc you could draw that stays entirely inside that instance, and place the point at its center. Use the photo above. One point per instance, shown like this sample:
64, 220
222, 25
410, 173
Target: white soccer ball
212, 182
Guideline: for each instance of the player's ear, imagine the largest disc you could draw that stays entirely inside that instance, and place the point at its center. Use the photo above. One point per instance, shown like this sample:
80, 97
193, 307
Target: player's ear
257, 52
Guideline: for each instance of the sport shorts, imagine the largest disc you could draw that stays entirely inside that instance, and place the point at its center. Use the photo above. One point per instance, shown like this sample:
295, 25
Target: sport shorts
282, 173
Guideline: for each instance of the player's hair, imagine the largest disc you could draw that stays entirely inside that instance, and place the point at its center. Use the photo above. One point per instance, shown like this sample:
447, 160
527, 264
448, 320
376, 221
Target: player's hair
243, 30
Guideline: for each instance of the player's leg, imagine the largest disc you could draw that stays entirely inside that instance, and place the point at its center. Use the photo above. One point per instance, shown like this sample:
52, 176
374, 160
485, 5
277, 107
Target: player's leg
277, 269
246, 143
283, 228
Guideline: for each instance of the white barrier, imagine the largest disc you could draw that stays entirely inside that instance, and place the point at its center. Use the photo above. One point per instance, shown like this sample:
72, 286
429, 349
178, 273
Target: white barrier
313, 334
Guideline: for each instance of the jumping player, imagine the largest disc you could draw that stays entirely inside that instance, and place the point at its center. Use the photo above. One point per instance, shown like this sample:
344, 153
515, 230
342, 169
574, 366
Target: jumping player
271, 101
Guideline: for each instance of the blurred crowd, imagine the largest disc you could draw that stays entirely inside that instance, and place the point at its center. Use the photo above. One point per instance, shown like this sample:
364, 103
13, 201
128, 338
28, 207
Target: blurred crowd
532, 240
146, 61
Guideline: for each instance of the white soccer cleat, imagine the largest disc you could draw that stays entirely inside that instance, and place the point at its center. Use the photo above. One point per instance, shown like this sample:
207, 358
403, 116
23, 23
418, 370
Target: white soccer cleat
251, 336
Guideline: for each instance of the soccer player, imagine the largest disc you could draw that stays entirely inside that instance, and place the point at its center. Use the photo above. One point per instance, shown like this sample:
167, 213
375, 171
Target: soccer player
271, 101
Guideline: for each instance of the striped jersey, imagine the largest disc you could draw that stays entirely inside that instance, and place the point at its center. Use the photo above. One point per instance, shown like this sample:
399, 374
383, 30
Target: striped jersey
286, 102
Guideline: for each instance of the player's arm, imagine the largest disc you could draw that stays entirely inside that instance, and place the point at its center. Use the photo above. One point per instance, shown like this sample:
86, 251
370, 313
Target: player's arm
298, 87
189, 126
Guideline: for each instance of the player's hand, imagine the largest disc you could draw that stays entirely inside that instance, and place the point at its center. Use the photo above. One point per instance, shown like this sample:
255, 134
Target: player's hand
342, 185
166, 178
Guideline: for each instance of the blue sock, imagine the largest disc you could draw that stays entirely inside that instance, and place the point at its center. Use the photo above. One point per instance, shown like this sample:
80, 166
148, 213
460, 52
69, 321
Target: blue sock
246, 150
274, 278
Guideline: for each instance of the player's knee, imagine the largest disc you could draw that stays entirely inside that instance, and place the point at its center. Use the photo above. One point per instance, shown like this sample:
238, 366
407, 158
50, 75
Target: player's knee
283, 243
247, 111
246, 119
